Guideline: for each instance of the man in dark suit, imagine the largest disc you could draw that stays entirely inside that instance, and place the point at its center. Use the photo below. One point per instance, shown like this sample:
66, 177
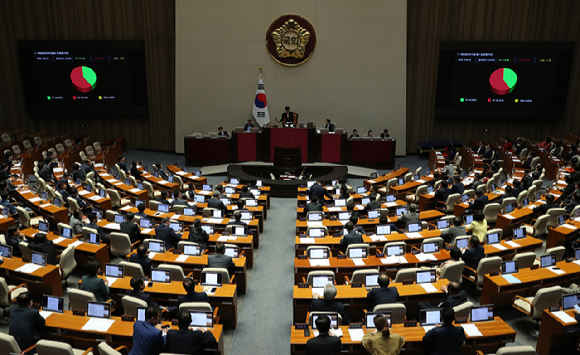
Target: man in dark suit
445, 339
287, 117
75, 196
93, 225
455, 297
472, 255
163, 198
443, 192
329, 126
354, 134
87, 166
352, 237
480, 201
13, 239
41, 244
410, 217
177, 200
5, 202
5, 172
141, 211
476, 182
323, 343
237, 221
328, 304
215, 202
167, 234
481, 148
131, 228
186, 341
62, 190
138, 286
148, 338
246, 193
122, 164
222, 133
457, 230
458, 187
319, 191
372, 205
220, 260
488, 152
192, 296
25, 323
248, 125
313, 206
518, 188
575, 201
384, 294
142, 259
543, 209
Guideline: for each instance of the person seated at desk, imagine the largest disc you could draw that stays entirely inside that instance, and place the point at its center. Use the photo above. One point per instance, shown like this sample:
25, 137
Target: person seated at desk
242, 205
527, 164
5, 202
237, 221
313, 206
41, 244
372, 206
131, 228
26, 323
142, 258
575, 201
344, 195
557, 150
328, 304
13, 239
445, 339
222, 133
74, 194
93, 225
478, 227
141, 211
5, 172
443, 192
573, 152
186, 340
162, 199
543, 209
287, 117
352, 237
457, 230
138, 285
246, 193
476, 181
479, 202
329, 126
169, 237
546, 144
354, 220
517, 148
458, 187
448, 170
76, 222
198, 235
369, 133
220, 260
8, 159
372, 193
354, 134
135, 171
384, 221
92, 283
220, 189
248, 125
148, 338
454, 254
191, 295
385, 134
382, 341
384, 294
507, 146
517, 188
472, 255
88, 166
45, 173
215, 202
324, 343
480, 148
410, 217
62, 190
177, 201
488, 152
121, 164
455, 297
162, 173
319, 191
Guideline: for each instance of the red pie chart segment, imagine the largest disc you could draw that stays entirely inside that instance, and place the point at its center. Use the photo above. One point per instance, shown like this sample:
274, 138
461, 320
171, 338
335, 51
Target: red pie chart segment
503, 81
84, 79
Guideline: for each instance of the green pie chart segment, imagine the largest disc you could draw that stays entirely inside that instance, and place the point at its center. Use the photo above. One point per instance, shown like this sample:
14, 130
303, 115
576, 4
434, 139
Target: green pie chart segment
84, 79
503, 81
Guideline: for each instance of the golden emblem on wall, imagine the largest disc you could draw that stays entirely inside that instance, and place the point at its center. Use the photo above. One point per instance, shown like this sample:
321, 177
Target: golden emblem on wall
291, 40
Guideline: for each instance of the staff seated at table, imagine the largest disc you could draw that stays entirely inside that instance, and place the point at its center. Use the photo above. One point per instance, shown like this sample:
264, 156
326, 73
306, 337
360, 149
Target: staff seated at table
92, 283
445, 339
248, 125
148, 338
382, 341
237, 221
62, 190
13, 239
165, 233
163, 198
329, 126
472, 255
142, 258
138, 285
477, 181
122, 164
384, 221
410, 217
313, 206
26, 323
41, 244
288, 118
242, 205
141, 211
76, 222
443, 192
354, 134
384, 294
188, 340
74, 194
344, 195
328, 304
351, 237
457, 187
448, 170
354, 220
215, 202
220, 260
222, 133
478, 227
324, 343
162, 173
457, 230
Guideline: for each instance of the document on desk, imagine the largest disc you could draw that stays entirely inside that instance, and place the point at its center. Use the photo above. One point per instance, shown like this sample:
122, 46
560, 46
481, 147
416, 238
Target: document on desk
358, 262
359, 207
215, 220
162, 182
334, 209
181, 258
307, 241
319, 262
152, 255
317, 292
356, 334
35, 199
371, 181
391, 204
45, 314
77, 243
135, 190
203, 192
377, 238
513, 244
577, 262
428, 327
569, 226
84, 192
181, 173
315, 224
175, 216
471, 330
28, 268
126, 208
58, 240
224, 238
421, 181
118, 183
556, 271
146, 230
95, 198
98, 325
509, 216
116, 226
429, 288
564, 317
426, 257
413, 235
499, 246
111, 280
511, 279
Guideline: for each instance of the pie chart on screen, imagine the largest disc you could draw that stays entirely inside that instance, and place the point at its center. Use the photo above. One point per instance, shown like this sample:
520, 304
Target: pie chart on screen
84, 79
503, 81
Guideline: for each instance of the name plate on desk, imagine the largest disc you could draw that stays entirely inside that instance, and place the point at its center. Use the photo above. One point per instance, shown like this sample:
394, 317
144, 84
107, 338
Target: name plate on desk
302, 257
408, 282
355, 326
127, 318
461, 320
303, 285
380, 255
341, 256
356, 284
78, 312
410, 323
174, 322
300, 326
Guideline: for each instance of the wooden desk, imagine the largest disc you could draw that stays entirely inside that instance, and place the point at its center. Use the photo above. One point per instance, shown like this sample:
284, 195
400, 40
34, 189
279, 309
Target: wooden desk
561, 235
495, 335
436, 160
67, 328
402, 190
187, 177
556, 337
374, 153
5, 223
383, 179
497, 291
264, 190
45, 280
246, 244
50, 211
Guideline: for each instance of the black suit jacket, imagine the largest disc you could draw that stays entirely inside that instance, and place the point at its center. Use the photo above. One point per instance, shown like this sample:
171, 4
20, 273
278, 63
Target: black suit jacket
287, 118
455, 300
46, 248
189, 341
142, 296
319, 191
145, 263
383, 295
330, 306
100, 231
323, 344
471, 257
542, 209
167, 235
216, 203
371, 206
200, 237
488, 153
135, 173
330, 127
25, 326
221, 261
445, 340
457, 188
313, 207
481, 150
351, 238
479, 203
247, 194
122, 166
193, 297
132, 230
442, 194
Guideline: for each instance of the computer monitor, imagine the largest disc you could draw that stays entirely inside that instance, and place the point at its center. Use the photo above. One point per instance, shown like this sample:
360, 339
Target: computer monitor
239, 230
343, 216
44, 195
128, 181
139, 202
199, 199
160, 275
188, 212
217, 214
426, 276
316, 232
140, 186
464, 198
226, 201
5, 251
525, 202
548, 260
198, 173
93, 239
114, 270
145, 223
467, 218
99, 214
577, 213
43, 226
88, 188
99, 310
401, 181
391, 198
395, 250
207, 229
252, 203
569, 301
233, 252
384, 230
211, 279
333, 320
247, 215
374, 214
374, 175
259, 183
119, 218
431, 247
318, 253
207, 187
357, 253
141, 314
234, 181
56, 201
414, 227
321, 281
176, 226
442, 224
370, 319
102, 193
52, 303
430, 189
462, 243
399, 211
163, 208
193, 250
416, 177
230, 190
344, 231
156, 174
157, 247
372, 280
577, 254
561, 220
482, 313
340, 203
509, 267
315, 216
431, 317
201, 319
538, 196
493, 238
361, 190
510, 208
38, 258
365, 201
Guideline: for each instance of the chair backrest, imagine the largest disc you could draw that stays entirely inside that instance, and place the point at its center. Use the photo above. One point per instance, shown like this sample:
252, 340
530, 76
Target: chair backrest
525, 260
470, 193
452, 271
86, 231
532, 191
196, 306
554, 213
178, 209
37, 140
130, 305
358, 245
406, 274
176, 271
68, 143
4, 299
49, 347
218, 270
153, 205
310, 316
3, 240
507, 201
398, 311
77, 299
67, 262
408, 177
421, 190
487, 266
360, 275
391, 182
16, 149
132, 269
451, 201
25, 250
106, 349
523, 153
462, 311
541, 226
559, 251
23, 217
60, 148
538, 184
535, 162
490, 212
120, 244
72, 205
147, 185
418, 171
8, 345
97, 147
115, 197
545, 298
439, 240
89, 150
521, 198
27, 145
493, 231
516, 350
82, 156
312, 274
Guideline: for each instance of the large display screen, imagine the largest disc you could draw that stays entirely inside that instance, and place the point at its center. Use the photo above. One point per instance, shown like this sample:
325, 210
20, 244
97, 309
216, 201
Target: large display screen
503, 79
84, 77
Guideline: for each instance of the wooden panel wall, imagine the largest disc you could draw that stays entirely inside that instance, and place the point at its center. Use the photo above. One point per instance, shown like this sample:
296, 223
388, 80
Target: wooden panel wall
432, 21
150, 20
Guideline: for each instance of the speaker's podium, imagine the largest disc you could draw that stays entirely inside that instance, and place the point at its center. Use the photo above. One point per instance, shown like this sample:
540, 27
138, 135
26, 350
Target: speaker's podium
287, 158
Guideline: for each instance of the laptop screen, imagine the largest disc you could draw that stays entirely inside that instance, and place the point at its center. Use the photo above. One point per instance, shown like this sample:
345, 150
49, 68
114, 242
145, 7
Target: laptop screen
211, 279
561, 220
234, 181
374, 214
163, 276
391, 198
569, 301
44, 195
414, 227
208, 229
333, 320
57, 202
370, 319
99, 309
252, 203
442, 224
318, 253
373, 175
199, 198
525, 202
432, 247
230, 190
315, 216
316, 232
201, 319
468, 218
310, 183
577, 254
340, 203
157, 247
462, 243
217, 213
427, 276
365, 201
384, 230
194, 250
343, 215
321, 281
6, 251
89, 187
519, 233
43, 226
119, 218
163, 208
188, 212
38, 258
102, 193
233, 252
207, 187
509, 267
93, 239
361, 190
141, 314
239, 230
464, 198
401, 181
247, 216
482, 313
509, 208
145, 223
401, 210
52, 303
372, 280
395, 250
226, 201
198, 173
175, 226
493, 238
430, 189
113, 270
431, 317
140, 186
548, 260
354, 253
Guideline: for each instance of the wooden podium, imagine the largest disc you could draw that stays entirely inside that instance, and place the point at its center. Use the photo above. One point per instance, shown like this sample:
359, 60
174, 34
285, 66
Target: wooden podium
287, 158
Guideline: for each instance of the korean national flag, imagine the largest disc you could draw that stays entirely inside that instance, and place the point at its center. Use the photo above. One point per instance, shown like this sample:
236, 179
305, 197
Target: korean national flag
260, 110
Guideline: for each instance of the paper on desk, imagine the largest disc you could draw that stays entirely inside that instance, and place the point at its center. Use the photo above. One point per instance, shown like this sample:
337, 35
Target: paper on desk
499, 246
392, 204
376, 238
359, 207
146, 230
58, 240
413, 235
181, 173
562, 182
162, 182
569, 226
84, 192
577, 262
431, 193
152, 254
335, 209
126, 208
315, 224
307, 241
175, 216
356, 334
371, 181
319, 262
181, 258
28, 268
224, 238
511, 279
513, 244
428, 327
421, 181
426, 257
556, 271
509, 216
95, 198
343, 221
35, 199
203, 192
98, 324
317, 291
564, 317
358, 262
215, 220
429, 288
111, 281
45, 314
77, 243
113, 226
471, 330
46, 205
134, 190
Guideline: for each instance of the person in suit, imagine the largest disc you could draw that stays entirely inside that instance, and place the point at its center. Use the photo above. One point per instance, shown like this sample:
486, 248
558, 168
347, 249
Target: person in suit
215, 202
371, 206
62, 190
5, 202
472, 255
384, 221
138, 285
323, 343
248, 125
575, 201
518, 188
287, 117
222, 133
246, 193
237, 221
191, 295
177, 200
480, 148
385, 134
186, 341
148, 338
354, 220
382, 341
220, 260
455, 297
92, 283
454, 254
526, 165
13, 239
122, 164
5, 172
45, 172
384, 294
162, 199
488, 152
135, 171
93, 225
76, 222
87, 166
411, 217
74, 194
142, 259
344, 195
313, 206
543, 209
8, 159
131, 228
220, 189
141, 211
479, 202
458, 187
352, 237
198, 235
41, 244
448, 170
242, 206
320, 191
445, 339
328, 304
573, 152
476, 181
443, 192
162, 173
329, 126
354, 134
169, 237
457, 230
26, 323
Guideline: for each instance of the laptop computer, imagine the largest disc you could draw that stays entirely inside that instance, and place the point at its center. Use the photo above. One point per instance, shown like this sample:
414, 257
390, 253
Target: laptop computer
315, 216
52, 303
99, 310
577, 253
145, 223
157, 247
233, 252
333, 320
201, 319
207, 187
199, 199
6, 251
230, 190
370, 319
239, 230
318, 253
234, 181
193, 250
395, 250
162, 276
38, 258
119, 218
509, 267
510, 208
431, 247
361, 190
482, 313
207, 229
248, 216
391, 198
414, 227
570, 300
426, 276
211, 279
252, 203
340, 203
321, 281
493, 238
226, 201
383, 230
443, 224
462, 243
114, 270
56, 201
374, 214
188, 212
467, 218
519, 233
357, 253
163, 208
431, 317
93, 239
365, 201
176, 226
372, 280
548, 260
400, 211
316, 232
343, 216
217, 214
